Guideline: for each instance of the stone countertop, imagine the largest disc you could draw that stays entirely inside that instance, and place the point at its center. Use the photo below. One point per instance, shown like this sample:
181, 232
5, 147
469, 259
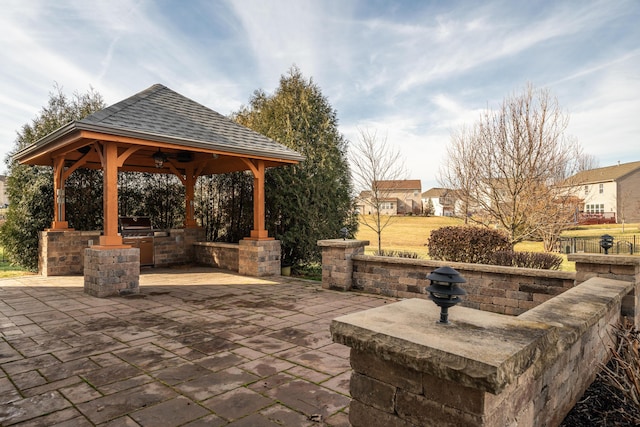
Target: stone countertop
482, 350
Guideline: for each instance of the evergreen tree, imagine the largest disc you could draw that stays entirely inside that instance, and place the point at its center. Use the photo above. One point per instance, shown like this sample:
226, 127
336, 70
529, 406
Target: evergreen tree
30, 188
430, 209
224, 206
311, 200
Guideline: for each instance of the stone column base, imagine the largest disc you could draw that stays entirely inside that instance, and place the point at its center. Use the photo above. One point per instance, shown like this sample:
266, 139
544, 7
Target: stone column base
259, 257
337, 267
111, 272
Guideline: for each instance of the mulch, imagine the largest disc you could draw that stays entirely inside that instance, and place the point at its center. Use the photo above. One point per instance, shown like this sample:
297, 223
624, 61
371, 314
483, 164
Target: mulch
603, 405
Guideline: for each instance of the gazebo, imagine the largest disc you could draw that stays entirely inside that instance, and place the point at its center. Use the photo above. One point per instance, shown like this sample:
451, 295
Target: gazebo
156, 131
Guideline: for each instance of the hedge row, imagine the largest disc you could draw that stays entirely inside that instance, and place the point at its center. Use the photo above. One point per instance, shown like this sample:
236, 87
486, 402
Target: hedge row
479, 245
467, 244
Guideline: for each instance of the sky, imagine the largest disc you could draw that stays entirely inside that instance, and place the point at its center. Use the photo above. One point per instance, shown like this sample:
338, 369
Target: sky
413, 72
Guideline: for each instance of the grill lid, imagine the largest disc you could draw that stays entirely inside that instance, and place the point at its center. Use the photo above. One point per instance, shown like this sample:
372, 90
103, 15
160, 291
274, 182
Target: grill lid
130, 224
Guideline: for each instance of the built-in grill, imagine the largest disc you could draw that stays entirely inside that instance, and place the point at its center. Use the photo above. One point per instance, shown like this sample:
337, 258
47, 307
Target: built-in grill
137, 232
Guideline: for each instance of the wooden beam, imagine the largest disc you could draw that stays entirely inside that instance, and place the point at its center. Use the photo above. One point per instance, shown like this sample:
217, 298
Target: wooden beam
81, 161
176, 172
59, 220
110, 237
124, 156
190, 184
175, 146
259, 231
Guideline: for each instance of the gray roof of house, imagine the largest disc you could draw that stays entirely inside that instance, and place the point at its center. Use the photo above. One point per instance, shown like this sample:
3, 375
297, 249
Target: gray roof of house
160, 114
605, 174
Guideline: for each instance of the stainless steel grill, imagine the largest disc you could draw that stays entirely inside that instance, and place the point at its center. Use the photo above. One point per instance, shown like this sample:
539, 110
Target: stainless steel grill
137, 232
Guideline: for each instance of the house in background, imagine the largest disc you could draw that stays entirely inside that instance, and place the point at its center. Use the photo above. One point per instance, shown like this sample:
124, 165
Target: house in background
442, 200
610, 194
400, 197
4, 199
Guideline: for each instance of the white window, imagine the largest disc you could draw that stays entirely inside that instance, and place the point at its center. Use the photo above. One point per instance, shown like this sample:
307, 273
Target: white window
586, 189
386, 205
596, 208
601, 188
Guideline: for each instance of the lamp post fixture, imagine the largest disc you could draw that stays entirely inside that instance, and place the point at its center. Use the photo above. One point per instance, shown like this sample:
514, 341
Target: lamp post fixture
344, 233
606, 242
444, 290
159, 158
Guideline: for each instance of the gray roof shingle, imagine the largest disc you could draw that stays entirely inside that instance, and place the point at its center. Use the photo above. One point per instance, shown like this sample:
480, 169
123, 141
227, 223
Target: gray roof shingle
160, 114
159, 111
605, 174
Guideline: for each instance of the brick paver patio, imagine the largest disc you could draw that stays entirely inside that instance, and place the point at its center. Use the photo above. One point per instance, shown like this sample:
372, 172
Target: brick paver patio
198, 347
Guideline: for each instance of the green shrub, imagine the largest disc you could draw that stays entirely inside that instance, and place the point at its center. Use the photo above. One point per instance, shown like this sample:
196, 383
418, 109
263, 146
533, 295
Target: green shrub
545, 261
310, 271
397, 254
467, 244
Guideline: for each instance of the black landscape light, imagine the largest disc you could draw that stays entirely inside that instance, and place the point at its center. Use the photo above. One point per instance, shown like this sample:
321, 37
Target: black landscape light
444, 290
344, 233
606, 242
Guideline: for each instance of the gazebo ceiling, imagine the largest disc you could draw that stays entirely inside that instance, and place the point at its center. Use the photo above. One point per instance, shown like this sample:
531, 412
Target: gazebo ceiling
187, 134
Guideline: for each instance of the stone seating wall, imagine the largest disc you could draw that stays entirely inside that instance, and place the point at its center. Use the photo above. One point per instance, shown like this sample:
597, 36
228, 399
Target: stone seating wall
215, 254
486, 368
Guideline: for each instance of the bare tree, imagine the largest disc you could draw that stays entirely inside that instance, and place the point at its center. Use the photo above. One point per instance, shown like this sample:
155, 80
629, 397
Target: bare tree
456, 175
374, 165
511, 167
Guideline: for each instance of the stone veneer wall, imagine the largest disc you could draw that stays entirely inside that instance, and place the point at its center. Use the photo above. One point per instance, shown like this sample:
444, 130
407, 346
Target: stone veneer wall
259, 257
337, 264
61, 253
177, 247
216, 254
111, 272
618, 267
505, 290
486, 369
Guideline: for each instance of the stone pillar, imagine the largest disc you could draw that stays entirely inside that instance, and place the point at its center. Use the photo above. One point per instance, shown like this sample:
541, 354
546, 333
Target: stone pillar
337, 267
618, 267
111, 272
259, 257
191, 236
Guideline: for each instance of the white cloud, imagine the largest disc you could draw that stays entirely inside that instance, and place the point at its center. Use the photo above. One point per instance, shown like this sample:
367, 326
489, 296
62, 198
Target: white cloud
412, 70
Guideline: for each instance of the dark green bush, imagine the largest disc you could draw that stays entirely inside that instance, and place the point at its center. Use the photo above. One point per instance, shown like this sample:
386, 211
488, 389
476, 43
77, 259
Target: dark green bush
397, 254
467, 244
545, 261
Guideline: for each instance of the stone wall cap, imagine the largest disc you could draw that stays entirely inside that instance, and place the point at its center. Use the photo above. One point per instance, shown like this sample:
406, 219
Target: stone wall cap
579, 308
218, 244
341, 243
605, 259
482, 350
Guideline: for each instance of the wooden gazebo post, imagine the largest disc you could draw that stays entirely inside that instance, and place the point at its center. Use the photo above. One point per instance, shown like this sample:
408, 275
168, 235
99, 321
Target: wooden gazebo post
259, 253
111, 238
59, 214
259, 231
189, 187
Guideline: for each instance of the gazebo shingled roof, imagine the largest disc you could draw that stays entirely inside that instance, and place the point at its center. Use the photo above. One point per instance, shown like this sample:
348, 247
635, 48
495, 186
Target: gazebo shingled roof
160, 117
193, 139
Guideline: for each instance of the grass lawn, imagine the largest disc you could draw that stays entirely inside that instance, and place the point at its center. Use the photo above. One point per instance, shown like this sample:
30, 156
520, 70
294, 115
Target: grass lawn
406, 233
411, 233
8, 270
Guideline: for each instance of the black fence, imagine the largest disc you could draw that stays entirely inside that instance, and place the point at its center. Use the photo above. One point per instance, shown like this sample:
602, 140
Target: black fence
622, 245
